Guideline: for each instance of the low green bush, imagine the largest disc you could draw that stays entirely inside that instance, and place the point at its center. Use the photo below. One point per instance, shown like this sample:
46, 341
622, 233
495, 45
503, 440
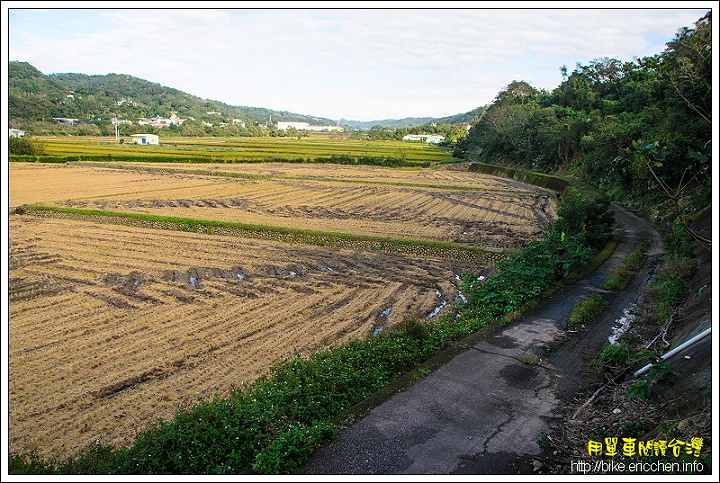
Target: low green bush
669, 287
634, 260
620, 278
613, 355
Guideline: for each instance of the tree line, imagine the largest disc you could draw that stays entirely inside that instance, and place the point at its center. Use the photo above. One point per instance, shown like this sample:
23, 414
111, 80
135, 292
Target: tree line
640, 130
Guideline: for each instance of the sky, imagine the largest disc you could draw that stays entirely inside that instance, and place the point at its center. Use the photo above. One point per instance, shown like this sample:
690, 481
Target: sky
364, 62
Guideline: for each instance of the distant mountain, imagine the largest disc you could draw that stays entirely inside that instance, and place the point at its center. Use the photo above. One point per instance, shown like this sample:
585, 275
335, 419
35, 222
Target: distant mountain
393, 123
469, 116
34, 96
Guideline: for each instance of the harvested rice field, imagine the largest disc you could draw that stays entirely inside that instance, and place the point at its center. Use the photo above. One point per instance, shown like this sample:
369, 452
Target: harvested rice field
456, 207
112, 327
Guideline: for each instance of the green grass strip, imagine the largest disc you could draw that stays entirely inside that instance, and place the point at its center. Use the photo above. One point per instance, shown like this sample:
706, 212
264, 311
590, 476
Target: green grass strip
586, 311
620, 278
273, 233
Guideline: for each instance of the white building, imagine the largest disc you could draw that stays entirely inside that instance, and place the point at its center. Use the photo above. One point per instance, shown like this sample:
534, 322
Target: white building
300, 126
145, 139
66, 121
305, 126
17, 133
159, 121
428, 138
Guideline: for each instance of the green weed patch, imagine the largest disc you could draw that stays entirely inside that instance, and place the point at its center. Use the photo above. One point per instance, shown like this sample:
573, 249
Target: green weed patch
586, 311
267, 232
613, 355
669, 288
620, 278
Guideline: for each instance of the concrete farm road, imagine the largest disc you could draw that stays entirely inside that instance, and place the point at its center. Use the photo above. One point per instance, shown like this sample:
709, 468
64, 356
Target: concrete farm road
484, 411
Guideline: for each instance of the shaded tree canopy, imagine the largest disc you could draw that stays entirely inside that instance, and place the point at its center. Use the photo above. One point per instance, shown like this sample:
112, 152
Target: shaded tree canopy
594, 124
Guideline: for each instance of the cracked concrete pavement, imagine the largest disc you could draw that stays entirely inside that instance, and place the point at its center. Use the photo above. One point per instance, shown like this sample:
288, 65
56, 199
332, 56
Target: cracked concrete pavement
492, 399
484, 411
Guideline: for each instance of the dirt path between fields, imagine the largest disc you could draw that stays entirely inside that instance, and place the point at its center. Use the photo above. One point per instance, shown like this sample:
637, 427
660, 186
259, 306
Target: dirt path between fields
484, 411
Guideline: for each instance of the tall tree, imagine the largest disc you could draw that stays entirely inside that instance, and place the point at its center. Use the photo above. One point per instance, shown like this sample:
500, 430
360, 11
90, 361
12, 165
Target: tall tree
687, 66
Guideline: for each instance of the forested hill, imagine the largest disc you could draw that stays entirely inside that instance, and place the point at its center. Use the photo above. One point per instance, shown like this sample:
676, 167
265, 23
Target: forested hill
34, 96
35, 99
638, 130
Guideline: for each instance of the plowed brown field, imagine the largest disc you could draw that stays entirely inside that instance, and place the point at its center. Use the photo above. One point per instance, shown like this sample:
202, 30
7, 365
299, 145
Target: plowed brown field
112, 327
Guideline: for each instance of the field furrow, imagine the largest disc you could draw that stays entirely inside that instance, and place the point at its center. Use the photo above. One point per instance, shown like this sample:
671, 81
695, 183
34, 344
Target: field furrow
112, 326
150, 319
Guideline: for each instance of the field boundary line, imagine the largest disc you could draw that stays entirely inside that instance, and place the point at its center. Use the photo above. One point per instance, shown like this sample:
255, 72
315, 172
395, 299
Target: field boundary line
258, 177
421, 248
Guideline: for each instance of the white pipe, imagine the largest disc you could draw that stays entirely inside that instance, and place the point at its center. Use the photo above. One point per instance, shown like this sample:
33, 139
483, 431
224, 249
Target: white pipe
682, 346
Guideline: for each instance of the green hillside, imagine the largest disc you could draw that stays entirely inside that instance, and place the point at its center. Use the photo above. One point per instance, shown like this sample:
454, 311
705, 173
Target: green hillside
34, 97
467, 117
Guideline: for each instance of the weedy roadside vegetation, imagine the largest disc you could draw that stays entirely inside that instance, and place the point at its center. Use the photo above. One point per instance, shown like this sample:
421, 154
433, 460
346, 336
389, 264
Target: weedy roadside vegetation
619, 279
649, 407
614, 356
586, 311
273, 424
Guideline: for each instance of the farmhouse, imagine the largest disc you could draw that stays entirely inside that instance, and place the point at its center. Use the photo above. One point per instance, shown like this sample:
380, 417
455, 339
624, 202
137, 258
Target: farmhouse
145, 139
17, 133
428, 138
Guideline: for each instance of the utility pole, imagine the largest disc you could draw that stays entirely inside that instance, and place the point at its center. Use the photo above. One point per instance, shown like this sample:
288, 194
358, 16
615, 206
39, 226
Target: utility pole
117, 130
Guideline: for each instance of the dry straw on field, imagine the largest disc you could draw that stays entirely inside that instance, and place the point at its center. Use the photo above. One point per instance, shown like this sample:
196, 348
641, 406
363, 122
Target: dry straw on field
468, 208
112, 327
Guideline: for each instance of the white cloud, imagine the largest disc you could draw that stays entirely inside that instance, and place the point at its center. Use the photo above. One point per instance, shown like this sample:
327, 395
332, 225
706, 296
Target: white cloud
357, 64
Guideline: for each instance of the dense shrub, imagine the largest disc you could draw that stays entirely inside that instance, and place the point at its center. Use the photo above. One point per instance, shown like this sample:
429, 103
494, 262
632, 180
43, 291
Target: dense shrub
587, 216
25, 146
669, 288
